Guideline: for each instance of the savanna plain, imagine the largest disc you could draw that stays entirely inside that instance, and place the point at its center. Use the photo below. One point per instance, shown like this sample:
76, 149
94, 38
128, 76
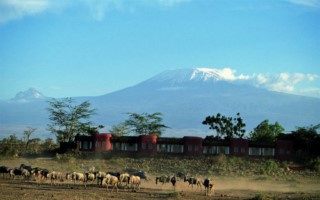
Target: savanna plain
233, 178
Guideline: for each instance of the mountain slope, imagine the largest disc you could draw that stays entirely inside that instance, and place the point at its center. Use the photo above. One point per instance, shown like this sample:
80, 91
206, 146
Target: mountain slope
184, 97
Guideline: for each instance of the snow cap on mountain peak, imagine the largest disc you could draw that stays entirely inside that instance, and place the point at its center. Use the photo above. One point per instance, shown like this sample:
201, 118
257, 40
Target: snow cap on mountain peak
198, 74
30, 94
227, 74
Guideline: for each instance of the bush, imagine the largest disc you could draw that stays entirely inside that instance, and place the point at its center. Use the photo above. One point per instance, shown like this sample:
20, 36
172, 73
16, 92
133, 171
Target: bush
67, 157
268, 167
222, 159
315, 164
260, 196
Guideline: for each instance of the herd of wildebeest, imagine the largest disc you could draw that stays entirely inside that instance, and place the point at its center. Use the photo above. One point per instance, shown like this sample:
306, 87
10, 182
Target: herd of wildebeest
116, 180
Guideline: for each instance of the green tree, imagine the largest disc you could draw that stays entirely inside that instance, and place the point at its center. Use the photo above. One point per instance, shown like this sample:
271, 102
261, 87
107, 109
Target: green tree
11, 146
48, 145
227, 127
92, 130
68, 120
146, 124
306, 141
120, 129
266, 131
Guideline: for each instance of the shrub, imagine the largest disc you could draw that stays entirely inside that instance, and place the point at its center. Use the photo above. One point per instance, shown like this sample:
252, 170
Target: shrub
67, 157
315, 164
260, 196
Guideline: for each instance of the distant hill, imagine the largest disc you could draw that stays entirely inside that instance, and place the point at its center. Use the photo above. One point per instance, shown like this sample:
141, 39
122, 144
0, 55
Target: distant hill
184, 97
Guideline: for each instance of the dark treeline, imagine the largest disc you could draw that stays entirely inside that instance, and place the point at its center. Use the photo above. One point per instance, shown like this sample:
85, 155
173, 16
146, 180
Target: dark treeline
13, 146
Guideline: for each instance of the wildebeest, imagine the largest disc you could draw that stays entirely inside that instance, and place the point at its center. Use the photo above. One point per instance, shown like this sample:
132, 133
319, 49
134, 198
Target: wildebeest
192, 181
173, 181
55, 176
135, 182
110, 180
208, 186
180, 175
4, 170
100, 176
15, 172
125, 177
141, 174
162, 179
89, 176
25, 173
23, 166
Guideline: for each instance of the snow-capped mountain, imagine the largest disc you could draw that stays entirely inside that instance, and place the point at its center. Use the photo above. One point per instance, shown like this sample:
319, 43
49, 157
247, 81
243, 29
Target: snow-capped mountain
28, 95
178, 76
184, 97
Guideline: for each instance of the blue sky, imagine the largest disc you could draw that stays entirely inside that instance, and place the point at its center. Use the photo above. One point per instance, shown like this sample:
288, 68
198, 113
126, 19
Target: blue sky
68, 48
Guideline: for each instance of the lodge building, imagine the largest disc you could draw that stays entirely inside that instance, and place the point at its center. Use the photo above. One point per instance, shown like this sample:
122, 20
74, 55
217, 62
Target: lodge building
188, 146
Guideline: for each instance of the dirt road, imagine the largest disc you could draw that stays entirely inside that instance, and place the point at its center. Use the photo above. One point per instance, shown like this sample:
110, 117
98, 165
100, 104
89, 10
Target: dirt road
226, 188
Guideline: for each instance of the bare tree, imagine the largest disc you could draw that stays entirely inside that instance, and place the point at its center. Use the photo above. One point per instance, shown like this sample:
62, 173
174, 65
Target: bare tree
26, 135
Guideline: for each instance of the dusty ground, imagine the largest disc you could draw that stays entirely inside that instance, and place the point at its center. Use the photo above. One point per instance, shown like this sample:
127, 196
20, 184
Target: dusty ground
226, 188
292, 186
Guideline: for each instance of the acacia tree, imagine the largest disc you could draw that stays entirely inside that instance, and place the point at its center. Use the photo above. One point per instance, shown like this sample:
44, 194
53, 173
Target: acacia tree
227, 127
68, 120
266, 131
120, 129
146, 124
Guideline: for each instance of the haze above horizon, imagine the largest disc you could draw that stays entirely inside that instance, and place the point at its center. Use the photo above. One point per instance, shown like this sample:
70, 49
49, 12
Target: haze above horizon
89, 48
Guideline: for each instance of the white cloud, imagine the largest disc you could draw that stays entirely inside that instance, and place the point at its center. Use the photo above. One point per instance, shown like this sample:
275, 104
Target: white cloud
169, 3
309, 3
287, 82
99, 8
16, 9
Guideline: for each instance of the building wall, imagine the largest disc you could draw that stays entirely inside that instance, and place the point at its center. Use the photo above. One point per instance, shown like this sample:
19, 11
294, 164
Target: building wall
190, 146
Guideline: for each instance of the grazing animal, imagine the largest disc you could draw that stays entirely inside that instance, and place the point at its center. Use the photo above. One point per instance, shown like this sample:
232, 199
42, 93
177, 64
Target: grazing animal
110, 180
100, 176
55, 176
141, 174
23, 166
44, 174
90, 176
15, 172
135, 182
25, 173
173, 181
4, 170
117, 174
76, 176
36, 172
192, 181
208, 186
162, 179
180, 175
69, 175
124, 178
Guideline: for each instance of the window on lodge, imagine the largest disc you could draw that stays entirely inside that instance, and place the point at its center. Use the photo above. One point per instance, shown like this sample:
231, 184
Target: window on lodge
150, 146
85, 145
216, 150
189, 147
170, 148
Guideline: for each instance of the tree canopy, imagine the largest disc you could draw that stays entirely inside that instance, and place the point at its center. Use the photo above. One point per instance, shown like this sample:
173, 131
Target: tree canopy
306, 141
68, 119
120, 129
226, 127
266, 131
146, 124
